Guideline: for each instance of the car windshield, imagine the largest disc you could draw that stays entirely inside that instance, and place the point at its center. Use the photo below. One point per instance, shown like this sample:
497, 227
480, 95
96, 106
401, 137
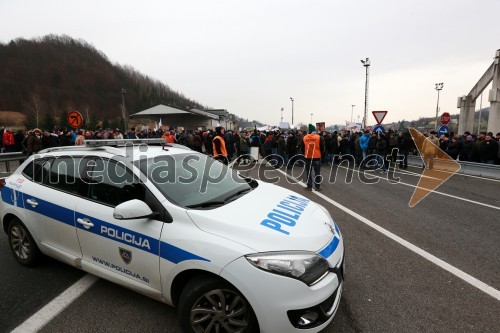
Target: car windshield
194, 180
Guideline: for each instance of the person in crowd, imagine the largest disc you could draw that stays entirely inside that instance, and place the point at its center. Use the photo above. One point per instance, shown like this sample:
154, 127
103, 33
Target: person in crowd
268, 145
430, 146
372, 145
443, 142
118, 134
80, 138
393, 147
108, 134
219, 145
244, 148
34, 144
300, 148
405, 146
190, 140
208, 143
281, 150
229, 138
65, 138
467, 150
291, 149
18, 140
88, 135
236, 143
49, 141
454, 147
498, 155
313, 148
197, 142
131, 134
381, 151
488, 149
335, 152
344, 145
364, 144
475, 153
8, 140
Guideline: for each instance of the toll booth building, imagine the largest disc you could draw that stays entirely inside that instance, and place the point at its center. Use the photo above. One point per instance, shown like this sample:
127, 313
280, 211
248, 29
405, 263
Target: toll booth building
190, 119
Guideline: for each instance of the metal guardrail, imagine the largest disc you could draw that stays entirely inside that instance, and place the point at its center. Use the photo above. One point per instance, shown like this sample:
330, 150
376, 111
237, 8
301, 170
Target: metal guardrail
12, 157
466, 168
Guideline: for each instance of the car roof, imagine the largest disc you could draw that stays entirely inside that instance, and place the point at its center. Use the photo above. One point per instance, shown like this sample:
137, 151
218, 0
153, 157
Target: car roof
134, 148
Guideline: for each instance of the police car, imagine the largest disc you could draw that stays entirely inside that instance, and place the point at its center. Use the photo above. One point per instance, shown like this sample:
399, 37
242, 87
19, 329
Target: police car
232, 254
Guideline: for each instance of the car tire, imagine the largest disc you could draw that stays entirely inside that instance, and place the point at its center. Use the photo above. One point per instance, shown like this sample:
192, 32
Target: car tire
210, 304
22, 244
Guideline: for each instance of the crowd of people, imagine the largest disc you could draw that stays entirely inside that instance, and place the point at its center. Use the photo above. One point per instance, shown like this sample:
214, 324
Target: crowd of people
288, 144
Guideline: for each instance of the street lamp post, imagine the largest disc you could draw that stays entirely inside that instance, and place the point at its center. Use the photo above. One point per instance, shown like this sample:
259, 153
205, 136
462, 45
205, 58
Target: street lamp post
292, 109
439, 87
123, 110
366, 64
281, 116
352, 110
311, 118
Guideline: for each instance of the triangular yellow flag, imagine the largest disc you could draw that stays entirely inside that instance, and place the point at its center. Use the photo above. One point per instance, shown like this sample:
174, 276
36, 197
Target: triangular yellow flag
438, 167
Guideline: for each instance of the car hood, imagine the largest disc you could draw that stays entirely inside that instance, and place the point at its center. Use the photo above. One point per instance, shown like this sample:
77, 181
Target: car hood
269, 218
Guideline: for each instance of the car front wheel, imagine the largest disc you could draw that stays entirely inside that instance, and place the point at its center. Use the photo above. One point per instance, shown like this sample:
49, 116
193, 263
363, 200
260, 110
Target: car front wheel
21, 243
210, 304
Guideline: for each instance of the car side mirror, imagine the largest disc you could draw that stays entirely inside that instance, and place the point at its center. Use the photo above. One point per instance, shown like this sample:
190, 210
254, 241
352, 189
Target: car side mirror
133, 209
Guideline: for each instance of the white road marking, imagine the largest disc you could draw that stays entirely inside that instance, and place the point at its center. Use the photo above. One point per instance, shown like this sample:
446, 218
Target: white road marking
52, 309
444, 265
434, 191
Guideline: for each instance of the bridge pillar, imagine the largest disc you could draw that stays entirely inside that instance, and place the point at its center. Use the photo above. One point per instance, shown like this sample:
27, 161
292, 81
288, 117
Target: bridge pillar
494, 98
467, 109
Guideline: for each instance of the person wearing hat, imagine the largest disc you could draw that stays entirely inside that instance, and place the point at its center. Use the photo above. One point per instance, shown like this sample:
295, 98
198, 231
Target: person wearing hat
34, 144
219, 145
313, 148
468, 149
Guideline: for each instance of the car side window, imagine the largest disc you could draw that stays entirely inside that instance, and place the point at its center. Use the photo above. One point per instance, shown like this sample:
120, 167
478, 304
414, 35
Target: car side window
112, 183
34, 169
65, 173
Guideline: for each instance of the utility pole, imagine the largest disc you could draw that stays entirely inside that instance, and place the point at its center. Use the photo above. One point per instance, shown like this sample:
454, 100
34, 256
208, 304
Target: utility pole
439, 87
366, 64
123, 111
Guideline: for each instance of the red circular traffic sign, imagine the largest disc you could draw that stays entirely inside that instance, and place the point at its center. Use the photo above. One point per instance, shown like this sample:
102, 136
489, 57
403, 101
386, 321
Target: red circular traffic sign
445, 118
75, 119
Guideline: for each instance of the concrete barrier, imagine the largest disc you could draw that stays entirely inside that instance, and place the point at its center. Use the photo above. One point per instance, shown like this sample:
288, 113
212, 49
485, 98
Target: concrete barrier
466, 168
12, 157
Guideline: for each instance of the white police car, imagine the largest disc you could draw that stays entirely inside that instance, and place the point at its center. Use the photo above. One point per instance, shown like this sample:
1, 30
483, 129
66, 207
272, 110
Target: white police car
232, 254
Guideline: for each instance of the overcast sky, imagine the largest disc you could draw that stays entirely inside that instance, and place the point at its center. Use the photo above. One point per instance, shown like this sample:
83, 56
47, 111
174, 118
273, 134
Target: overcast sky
250, 57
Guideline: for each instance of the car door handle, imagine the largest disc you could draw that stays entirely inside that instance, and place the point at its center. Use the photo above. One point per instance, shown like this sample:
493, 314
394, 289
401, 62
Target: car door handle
32, 202
85, 222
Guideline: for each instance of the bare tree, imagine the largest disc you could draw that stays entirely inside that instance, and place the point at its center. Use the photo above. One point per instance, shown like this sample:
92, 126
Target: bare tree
36, 102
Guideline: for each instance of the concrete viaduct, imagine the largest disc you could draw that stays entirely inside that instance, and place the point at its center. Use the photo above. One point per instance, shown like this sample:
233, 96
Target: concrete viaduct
467, 104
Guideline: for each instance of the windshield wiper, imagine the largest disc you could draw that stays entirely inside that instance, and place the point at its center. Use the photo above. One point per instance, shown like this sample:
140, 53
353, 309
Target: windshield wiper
207, 204
218, 202
237, 194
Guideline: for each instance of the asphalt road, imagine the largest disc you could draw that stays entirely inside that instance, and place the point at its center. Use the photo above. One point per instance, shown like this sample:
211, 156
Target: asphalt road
388, 288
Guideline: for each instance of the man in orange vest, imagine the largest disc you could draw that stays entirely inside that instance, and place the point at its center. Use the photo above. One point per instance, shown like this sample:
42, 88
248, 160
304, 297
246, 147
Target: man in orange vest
219, 145
314, 146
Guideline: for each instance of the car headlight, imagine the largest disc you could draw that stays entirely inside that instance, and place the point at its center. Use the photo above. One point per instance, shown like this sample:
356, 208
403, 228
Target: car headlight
308, 267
